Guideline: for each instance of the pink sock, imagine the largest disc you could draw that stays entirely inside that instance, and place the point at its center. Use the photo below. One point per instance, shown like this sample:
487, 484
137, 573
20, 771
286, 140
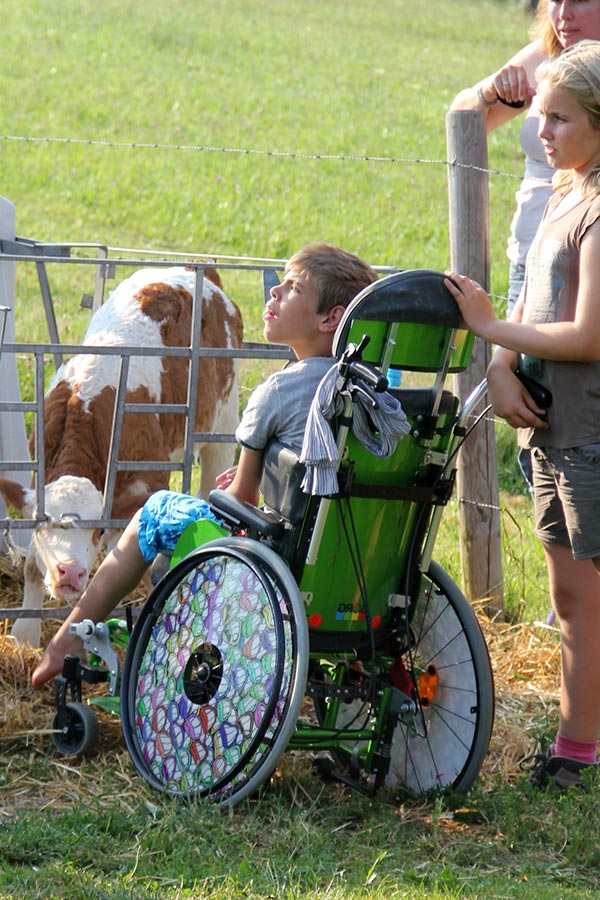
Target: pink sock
584, 751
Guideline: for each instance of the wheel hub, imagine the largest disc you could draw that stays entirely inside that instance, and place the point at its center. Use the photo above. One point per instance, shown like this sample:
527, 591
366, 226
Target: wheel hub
203, 674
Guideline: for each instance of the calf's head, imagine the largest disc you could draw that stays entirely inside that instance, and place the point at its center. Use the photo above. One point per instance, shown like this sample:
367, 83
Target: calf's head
62, 552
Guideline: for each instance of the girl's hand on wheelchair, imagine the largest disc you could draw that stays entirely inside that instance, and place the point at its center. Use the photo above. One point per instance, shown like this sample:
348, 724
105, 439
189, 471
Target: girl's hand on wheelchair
225, 478
474, 304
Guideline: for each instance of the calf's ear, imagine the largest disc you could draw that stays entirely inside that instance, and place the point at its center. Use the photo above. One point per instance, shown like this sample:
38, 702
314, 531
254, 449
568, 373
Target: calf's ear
16, 495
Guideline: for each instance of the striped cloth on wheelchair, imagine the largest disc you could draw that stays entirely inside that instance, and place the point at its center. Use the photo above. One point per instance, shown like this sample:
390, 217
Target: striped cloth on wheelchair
378, 422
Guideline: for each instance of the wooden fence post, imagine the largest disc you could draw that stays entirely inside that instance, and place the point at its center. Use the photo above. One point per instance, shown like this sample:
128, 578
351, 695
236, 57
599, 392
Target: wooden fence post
477, 479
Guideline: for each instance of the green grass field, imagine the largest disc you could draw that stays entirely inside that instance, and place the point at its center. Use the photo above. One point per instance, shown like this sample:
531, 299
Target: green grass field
97, 85
249, 128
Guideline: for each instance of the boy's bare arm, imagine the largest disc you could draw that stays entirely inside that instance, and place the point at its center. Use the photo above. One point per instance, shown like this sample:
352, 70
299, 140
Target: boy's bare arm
246, 480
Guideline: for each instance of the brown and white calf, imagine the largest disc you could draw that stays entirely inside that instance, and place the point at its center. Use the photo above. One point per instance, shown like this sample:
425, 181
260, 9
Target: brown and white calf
151, 308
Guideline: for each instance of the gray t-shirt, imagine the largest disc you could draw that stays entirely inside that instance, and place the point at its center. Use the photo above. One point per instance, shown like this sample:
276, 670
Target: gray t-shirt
551, 286
279, 407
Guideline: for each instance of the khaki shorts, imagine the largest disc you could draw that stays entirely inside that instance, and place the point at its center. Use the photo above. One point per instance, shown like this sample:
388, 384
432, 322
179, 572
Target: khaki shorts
566, 490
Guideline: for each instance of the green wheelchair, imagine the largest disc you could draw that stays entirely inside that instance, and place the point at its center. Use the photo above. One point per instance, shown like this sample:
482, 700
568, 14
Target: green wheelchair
317, 623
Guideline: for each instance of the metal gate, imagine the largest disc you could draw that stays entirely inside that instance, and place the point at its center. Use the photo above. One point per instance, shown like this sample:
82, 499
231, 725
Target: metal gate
105, 263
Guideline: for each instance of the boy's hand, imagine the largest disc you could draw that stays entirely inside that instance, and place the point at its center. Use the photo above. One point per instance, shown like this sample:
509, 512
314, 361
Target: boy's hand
225, 478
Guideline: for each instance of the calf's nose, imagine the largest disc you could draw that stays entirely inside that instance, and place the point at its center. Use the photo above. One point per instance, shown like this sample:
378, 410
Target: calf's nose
70, 575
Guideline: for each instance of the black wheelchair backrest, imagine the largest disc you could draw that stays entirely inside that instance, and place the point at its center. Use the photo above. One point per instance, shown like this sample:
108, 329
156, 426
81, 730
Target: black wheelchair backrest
412, 320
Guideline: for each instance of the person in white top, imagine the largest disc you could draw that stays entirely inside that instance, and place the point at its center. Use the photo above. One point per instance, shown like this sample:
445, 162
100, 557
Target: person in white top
511, 90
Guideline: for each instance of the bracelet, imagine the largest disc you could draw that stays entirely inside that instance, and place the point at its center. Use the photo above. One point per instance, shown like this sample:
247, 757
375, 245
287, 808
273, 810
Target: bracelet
486, 103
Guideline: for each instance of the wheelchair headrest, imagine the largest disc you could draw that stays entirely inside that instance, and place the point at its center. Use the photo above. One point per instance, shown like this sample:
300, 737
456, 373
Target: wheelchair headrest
416, 295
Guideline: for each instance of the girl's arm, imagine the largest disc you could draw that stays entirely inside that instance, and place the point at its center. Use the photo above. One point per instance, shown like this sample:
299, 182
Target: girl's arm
509, 399
514, 82
573, 341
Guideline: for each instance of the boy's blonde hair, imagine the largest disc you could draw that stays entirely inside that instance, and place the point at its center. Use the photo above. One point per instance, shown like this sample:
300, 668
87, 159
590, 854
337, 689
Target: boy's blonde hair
577, 71
337, 275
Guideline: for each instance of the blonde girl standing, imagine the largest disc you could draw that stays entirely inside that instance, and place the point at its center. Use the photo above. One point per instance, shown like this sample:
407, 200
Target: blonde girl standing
554, 336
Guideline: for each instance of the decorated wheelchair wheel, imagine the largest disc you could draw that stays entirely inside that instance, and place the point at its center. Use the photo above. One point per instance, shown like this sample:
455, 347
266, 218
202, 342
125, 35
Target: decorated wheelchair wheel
215, 672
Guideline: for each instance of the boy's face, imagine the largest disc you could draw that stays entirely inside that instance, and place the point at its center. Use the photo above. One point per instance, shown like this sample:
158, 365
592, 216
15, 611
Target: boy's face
290, 315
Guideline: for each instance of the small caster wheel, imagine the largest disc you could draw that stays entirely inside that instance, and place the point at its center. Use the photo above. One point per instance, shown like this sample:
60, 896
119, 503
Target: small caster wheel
75, 729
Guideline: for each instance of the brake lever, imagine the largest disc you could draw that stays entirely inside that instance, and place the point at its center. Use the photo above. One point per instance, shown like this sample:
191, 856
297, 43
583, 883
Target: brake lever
356, 388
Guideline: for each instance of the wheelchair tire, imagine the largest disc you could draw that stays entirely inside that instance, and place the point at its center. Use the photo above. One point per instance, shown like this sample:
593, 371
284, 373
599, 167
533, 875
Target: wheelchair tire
454, 724
455, 727
215, 672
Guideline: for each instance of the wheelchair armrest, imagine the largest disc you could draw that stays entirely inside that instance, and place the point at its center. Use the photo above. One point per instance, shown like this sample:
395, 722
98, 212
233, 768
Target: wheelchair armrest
239, 514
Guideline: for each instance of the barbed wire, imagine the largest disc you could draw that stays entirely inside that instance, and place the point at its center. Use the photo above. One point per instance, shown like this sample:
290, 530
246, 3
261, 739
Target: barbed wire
282, 154
253, 151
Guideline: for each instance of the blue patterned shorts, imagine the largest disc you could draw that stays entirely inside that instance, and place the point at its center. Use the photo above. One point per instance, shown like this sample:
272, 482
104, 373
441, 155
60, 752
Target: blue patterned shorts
164, 517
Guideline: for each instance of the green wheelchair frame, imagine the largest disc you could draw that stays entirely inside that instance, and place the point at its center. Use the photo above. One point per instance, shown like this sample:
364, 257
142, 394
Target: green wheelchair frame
316, 623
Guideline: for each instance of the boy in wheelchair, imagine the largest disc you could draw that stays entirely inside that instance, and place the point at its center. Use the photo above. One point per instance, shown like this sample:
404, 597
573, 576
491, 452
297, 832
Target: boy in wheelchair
303, 312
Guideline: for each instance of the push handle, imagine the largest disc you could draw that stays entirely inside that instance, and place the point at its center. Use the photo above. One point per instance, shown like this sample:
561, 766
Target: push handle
352, 365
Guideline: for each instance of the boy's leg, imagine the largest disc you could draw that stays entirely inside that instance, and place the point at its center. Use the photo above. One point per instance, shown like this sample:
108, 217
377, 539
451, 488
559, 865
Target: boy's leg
118, 574
155, 528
